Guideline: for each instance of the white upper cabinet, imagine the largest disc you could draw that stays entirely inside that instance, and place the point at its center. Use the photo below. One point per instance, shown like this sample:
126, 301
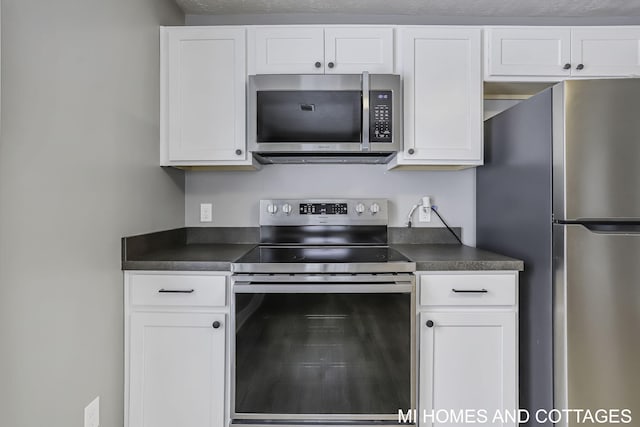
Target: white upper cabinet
605, 51
354, 50
203, 96
540, 51
442, 72
556, 53
319, 50
286, 50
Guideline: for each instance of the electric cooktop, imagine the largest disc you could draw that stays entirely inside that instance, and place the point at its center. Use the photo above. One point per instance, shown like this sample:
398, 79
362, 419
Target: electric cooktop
322, 254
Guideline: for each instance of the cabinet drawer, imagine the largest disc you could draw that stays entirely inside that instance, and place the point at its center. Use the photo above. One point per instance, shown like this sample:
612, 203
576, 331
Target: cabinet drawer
465, 290
178, 290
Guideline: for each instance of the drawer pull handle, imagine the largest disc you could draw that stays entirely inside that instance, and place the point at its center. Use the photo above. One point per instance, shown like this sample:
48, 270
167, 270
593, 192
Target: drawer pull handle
469, 291
176, 291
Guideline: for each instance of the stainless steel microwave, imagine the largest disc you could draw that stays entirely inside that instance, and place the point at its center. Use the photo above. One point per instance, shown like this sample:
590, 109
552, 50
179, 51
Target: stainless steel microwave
333, 118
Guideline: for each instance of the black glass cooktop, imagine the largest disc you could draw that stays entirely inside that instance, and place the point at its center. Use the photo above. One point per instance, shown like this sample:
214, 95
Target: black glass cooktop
322, 255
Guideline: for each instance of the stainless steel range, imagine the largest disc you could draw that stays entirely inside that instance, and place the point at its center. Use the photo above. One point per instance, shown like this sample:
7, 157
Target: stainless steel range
324, 314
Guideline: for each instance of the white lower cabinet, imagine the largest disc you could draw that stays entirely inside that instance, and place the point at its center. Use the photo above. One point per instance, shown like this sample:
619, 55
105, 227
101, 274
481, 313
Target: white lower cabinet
176, 354
468, 352
177, 370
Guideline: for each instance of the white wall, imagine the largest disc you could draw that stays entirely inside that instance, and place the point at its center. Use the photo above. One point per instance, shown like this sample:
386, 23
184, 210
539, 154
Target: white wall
235, 195
493, 107
78, 170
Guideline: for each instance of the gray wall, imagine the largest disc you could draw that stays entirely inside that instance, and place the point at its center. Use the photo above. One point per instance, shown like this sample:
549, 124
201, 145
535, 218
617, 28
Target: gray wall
329, 18
78, 170
235, 195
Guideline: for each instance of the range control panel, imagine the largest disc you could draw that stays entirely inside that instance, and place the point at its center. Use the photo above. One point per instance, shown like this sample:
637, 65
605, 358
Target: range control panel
319, 212
323, 209
380, 116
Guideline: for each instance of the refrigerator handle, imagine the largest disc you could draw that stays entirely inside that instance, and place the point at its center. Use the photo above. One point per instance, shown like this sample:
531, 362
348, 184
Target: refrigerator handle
604, 226
613, 228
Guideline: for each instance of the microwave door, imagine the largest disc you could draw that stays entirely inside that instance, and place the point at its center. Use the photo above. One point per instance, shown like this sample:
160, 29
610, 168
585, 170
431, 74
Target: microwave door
309, 117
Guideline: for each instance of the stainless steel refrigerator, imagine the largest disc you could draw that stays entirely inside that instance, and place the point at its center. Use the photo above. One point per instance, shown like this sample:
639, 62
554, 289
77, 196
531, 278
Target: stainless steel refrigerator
560, 189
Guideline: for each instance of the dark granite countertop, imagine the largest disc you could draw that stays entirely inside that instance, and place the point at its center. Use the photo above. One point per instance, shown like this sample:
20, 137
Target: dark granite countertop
214, 249
188, 249
190, 257
436, 257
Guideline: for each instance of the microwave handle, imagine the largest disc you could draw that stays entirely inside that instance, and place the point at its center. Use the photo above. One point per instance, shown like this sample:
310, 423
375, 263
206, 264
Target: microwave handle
365, 112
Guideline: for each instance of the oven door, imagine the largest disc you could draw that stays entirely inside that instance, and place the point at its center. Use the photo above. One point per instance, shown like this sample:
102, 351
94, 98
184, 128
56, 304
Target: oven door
323, 348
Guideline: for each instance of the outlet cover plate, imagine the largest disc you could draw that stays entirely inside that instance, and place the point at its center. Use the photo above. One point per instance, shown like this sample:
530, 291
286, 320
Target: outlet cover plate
92, 413
424, 214
206, 212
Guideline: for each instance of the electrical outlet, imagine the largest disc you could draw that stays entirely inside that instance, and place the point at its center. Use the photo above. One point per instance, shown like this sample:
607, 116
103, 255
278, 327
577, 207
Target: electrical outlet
92, 413
424, 215
206, 212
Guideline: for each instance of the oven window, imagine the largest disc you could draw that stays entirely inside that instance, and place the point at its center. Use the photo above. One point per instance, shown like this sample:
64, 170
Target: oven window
323, 353
309, 116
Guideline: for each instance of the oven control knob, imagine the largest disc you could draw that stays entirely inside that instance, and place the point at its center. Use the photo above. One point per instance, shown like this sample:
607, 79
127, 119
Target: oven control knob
374, 208
359, 208
286, 208
272, 209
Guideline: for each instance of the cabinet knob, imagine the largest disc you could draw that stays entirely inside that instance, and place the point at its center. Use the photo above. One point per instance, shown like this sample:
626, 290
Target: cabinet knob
238, 151
411, 151
567, 66
216, 324
318, 64
580, 67
331, 64
429, 323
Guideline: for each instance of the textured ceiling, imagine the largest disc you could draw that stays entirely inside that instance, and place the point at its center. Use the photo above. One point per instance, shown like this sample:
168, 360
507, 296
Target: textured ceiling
467, 8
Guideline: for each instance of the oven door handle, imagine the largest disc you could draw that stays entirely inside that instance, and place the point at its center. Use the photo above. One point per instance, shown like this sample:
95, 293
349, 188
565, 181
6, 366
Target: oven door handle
322, 288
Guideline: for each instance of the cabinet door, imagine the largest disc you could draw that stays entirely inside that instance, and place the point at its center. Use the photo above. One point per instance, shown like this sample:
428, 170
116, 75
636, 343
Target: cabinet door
177, 370
468, 361
204, 83
358, 49
286, 50
606, 51
539, 51
442, 96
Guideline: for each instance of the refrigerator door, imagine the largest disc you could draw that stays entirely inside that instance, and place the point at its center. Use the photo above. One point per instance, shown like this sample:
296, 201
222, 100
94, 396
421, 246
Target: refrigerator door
596, 149
597, 320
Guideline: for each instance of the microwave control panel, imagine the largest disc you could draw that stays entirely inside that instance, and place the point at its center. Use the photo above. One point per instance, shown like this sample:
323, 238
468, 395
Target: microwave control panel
380, 116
